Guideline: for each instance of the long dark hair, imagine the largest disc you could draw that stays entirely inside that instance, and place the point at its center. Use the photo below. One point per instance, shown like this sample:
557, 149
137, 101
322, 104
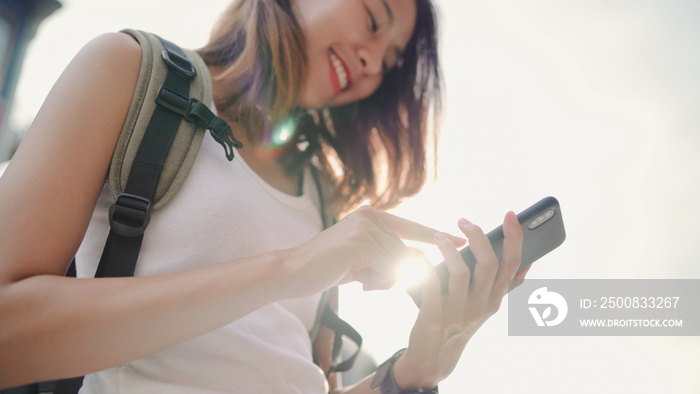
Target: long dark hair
372, 150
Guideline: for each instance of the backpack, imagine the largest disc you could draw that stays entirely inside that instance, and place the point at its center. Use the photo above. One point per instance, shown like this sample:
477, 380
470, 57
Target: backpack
154, 154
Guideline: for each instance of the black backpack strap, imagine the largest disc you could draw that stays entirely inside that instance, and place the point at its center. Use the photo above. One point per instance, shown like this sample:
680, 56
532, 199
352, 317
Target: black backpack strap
69, 386
342, 329
327, 222
328, 318
131, 212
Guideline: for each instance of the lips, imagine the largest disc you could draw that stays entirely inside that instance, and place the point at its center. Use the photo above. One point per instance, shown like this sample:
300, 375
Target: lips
340, 74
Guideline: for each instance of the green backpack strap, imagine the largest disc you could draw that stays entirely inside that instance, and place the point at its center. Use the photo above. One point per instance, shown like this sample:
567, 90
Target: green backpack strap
154, 99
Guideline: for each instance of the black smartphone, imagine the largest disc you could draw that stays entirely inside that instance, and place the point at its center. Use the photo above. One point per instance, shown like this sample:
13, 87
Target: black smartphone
543, 231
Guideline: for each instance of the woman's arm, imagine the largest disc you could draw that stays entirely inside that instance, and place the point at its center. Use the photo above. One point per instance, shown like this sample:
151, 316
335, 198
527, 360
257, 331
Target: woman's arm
47, 196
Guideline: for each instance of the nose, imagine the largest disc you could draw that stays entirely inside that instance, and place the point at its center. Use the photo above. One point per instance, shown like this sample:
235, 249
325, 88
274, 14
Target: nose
371, 57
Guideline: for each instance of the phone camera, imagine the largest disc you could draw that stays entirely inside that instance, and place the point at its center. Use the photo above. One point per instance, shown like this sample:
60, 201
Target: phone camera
538, 221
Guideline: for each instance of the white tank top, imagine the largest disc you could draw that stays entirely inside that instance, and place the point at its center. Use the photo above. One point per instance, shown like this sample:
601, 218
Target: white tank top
224, 211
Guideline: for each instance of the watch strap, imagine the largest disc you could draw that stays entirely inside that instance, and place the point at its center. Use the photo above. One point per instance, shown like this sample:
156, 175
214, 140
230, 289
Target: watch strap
384, 378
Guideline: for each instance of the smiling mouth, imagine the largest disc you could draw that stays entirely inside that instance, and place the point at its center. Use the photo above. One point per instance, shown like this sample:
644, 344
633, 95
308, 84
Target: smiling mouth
340, 74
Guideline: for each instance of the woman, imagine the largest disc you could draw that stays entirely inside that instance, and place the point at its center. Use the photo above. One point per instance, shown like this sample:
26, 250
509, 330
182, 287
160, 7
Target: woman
230, 272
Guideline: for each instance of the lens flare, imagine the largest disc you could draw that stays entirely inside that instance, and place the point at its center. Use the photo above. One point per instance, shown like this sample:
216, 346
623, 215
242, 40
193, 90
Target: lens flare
412, 271
276, 136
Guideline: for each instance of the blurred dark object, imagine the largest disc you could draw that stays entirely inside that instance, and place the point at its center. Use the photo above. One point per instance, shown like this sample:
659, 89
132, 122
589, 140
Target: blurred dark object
19, 20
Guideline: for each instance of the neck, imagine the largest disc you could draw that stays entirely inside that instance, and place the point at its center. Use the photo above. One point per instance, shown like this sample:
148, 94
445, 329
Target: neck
224, 88
266, 167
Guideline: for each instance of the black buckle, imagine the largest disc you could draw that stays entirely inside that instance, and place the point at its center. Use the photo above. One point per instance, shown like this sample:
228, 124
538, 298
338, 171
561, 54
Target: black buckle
175, 102
129, 215
193, 110
178, 63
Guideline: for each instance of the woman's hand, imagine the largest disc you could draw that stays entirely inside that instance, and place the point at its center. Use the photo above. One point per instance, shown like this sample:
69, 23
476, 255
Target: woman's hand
365, 246
446, 322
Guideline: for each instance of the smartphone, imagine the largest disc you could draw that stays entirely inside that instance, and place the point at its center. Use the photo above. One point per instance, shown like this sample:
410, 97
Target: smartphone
543, 231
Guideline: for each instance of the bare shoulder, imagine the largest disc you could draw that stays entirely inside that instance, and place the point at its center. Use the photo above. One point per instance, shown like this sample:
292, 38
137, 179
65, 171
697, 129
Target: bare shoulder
109, 57
121, 45
50, 188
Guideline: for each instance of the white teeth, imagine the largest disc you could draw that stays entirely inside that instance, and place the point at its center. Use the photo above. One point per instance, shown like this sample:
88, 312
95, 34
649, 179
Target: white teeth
339, 71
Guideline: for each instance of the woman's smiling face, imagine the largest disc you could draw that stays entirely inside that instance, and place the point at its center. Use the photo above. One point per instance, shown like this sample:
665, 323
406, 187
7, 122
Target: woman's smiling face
350, 44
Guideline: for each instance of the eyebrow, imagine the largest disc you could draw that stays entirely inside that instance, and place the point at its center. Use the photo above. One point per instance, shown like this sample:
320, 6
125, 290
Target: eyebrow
389, 13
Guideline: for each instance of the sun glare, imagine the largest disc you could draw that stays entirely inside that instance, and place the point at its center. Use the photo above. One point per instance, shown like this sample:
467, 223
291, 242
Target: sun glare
412, 271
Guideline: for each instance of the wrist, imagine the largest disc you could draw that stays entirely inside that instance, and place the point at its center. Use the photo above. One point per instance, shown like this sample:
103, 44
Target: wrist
410, 375
410, 383
300, 279
287, 265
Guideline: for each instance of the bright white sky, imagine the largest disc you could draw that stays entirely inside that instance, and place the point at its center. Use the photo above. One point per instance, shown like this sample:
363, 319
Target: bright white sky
594, 102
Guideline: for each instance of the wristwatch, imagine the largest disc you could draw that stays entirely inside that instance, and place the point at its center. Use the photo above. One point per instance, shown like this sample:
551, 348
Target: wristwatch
384, 378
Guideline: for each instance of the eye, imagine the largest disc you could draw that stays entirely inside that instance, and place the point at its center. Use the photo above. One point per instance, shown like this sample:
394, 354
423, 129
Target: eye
372, 22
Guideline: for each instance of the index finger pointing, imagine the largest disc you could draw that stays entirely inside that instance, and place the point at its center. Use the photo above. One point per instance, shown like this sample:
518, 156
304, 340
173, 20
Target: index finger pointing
410, 230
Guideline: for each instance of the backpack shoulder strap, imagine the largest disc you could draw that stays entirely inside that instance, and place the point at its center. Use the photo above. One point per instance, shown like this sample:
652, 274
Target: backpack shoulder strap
329, 329
155, 150
172, 81
188, 137
158, 145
